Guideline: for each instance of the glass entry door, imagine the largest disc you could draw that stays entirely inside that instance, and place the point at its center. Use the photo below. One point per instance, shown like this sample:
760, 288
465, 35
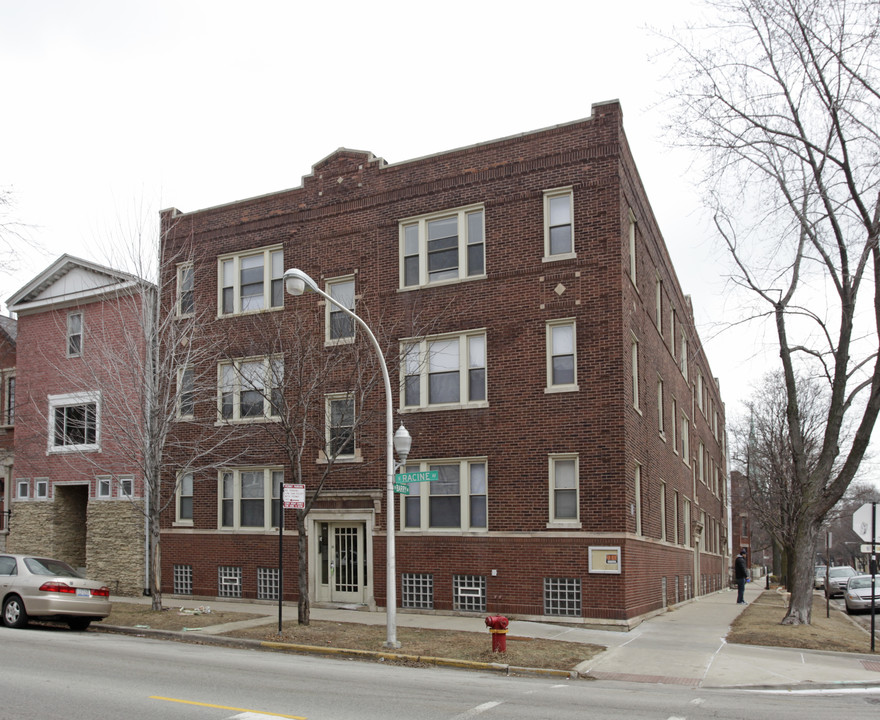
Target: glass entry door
343, 561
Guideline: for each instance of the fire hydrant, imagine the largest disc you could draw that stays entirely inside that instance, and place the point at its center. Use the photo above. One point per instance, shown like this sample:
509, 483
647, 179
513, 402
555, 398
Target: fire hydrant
497, 625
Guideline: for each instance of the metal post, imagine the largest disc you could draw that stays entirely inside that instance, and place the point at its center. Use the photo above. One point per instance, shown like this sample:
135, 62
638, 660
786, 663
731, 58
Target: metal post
873, 568
280, 552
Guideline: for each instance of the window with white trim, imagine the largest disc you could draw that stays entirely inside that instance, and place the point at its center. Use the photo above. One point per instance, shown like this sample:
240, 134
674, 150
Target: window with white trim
74, 334
184, 504
661, 422
75, 422
685, 440
558, 224
442, 247
634, 351
562, 355
250, 282
22, 489
185, 290
637, 489
674, 426
658, 305
339, 327
445, 371
457, 500
104, 487
340, 422
675, 503
701, 463
126, 487
700, 391
662, 510
248, 497
631, 237
686, 522
186, 400
564, 490
250, 389
683, 355
10, 400
41, 488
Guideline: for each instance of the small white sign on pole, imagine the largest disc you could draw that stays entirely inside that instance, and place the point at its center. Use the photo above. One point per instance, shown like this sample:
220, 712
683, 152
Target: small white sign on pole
863, 522
294, 497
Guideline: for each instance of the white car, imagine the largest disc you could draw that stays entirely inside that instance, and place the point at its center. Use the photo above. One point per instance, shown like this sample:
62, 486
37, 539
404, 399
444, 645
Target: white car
40, 588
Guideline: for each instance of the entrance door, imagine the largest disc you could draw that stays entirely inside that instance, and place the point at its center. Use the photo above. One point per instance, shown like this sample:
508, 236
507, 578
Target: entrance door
346, 561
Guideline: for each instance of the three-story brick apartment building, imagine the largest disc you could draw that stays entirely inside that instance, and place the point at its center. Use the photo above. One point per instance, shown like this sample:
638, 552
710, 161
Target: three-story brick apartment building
560, 390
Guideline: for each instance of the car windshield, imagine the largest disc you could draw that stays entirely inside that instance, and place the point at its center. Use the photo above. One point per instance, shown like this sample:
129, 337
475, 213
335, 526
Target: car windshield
45, 566
859, 582
820, 570
841, 571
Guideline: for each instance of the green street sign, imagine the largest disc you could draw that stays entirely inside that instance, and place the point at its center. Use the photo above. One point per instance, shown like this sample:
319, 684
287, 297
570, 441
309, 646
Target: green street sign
402, 488
411, 477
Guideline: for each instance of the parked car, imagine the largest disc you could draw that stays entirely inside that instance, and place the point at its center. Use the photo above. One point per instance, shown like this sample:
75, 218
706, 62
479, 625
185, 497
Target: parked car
819, 577
837, 579
39, 588
858, 594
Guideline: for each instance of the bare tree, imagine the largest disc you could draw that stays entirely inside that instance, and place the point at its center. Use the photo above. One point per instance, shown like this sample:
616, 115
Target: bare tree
13, 233
783, 103
325, 401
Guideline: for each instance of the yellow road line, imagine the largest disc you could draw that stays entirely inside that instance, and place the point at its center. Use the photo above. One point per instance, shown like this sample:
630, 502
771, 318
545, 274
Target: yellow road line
225, 707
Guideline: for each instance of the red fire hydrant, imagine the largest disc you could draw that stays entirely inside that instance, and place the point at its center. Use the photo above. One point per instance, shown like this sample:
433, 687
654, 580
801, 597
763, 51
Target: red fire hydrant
497, 625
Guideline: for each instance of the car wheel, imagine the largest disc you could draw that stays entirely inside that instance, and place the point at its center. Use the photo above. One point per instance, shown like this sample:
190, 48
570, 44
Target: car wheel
14, 614
79, 623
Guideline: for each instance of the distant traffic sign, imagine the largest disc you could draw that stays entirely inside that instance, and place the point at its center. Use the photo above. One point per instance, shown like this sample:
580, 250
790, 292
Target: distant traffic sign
864, 520
411, 477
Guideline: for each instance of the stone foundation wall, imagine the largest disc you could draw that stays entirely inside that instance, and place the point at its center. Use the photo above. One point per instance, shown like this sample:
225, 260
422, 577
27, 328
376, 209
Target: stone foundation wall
31, 528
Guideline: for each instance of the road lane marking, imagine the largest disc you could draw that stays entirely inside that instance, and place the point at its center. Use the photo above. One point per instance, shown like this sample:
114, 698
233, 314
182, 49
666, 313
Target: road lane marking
224, 707
474, 711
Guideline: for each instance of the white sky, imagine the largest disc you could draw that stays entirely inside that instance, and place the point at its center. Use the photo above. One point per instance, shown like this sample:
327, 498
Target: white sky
108, 104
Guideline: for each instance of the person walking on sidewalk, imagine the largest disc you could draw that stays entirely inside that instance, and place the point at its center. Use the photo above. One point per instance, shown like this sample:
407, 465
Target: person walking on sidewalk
741, 572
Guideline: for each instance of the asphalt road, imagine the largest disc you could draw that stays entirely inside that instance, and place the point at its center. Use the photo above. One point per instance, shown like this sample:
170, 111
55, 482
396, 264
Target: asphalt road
92, 676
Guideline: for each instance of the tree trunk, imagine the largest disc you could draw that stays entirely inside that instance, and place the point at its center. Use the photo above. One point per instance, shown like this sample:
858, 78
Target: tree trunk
302, 547
800, 579
155, 565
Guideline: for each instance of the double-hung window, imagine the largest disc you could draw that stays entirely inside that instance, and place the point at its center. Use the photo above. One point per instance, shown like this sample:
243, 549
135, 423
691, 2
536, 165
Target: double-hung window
185, 499
247, 497
631, 237
10, 400
558, 224
445, 372
74, 422
185, 290
340, 426
186, 399
250, 389
442, 247
339, 326
250, 282
74, 334
561, 356
634, 350
661, 423
564, 491
457, 500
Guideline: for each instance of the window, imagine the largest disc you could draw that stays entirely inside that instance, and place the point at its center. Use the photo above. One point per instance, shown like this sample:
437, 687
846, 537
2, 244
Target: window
469, 593
183, 579
631, 236
339, 326
445, 372
251, 282
674, 425
700, 391
10, 401
185, 290
41, 488
661, 423
562, 596
251, 389
247, 497
637, 489
683, 355
126, 487
686, 522
457, 500
267, 583
417, 591
635, 372
442, 247
673, 322
185, 499
564, 491
229, 581
186, 394
74, 334
74, 422
561, 356
104, 487
558, 226
701, 462
675, 517
22, 489
658, 305
685, 439
663, 511
340, 426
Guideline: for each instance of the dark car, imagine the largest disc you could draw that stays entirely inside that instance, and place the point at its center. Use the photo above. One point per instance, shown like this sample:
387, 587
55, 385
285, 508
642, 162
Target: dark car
40, 588
837, 579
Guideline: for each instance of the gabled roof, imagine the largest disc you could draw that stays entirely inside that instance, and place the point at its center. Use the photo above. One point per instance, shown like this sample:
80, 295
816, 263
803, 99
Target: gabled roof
71, 280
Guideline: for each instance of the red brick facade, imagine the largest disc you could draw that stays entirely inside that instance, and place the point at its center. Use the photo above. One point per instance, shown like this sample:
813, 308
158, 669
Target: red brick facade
345, 222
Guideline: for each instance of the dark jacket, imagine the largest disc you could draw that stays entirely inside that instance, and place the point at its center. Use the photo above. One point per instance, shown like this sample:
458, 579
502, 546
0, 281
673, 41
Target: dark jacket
740, 569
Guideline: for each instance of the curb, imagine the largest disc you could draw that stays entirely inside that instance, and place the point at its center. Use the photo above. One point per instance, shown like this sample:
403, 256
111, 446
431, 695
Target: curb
195, 637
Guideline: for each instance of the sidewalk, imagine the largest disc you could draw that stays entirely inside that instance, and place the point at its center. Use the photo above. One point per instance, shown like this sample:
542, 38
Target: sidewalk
683, 647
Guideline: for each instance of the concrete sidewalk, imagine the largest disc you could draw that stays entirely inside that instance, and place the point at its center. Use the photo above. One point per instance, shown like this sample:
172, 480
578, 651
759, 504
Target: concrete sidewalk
683, 647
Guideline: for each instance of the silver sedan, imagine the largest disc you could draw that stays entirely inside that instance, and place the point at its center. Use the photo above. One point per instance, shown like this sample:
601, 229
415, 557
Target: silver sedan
858, 594
39, 588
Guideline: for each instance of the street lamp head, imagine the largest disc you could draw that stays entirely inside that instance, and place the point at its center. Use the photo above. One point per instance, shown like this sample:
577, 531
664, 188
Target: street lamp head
402, 442
296, 282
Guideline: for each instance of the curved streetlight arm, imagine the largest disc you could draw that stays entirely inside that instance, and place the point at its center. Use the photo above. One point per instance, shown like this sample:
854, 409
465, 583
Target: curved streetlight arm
296, 282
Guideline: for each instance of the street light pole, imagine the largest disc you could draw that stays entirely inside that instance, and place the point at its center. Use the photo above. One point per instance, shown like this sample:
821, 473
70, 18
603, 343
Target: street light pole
297, 282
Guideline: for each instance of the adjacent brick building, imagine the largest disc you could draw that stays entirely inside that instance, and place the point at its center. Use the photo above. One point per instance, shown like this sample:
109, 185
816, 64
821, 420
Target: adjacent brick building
76, 488
8, 332
561, 391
